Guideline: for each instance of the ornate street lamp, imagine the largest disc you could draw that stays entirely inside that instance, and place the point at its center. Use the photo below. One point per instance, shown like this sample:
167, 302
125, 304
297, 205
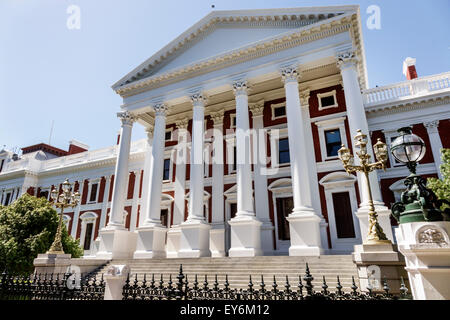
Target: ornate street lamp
418, 203
64, 200
375, 234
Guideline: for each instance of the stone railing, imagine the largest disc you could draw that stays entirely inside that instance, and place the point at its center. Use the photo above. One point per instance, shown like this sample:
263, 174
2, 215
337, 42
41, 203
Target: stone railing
407, 89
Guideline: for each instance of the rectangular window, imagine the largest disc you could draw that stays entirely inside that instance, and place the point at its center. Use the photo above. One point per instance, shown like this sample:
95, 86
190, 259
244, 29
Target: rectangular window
279, 112
283, 151
343, 215
327, 101
93, 195
234, 158
333, 142
164, 217
88, 236
166, 174
8, 197
1, 164
168, 135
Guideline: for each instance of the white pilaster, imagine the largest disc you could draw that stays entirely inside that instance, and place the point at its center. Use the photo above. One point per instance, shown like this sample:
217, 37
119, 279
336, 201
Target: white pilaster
146, 178
217, 233
194, 241
76, 214
115, 241
134, 209
105, 201
347, 62
304, 223
151, 235
436, 144
260, 176
245, 227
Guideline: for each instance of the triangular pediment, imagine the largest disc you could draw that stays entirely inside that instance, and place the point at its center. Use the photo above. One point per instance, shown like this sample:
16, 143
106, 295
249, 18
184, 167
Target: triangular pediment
224, 31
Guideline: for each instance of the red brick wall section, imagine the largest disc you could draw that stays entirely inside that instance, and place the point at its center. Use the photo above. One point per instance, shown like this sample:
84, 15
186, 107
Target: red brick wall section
30, 191
111, 187
85, 191
421, 131
314, 102
101, 192
140, 183
131, 180
444, 132
315, 134
127, 222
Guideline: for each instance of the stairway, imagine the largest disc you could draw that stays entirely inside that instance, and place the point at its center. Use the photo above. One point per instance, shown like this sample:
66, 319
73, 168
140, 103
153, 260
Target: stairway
239, 269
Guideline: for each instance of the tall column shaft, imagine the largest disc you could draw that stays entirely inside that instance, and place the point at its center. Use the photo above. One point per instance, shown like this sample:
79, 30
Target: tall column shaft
146, 178
196, 167
105, 201
217, 170
134, 209
180, 174
121, 172
243, 167
436, 144
153, 210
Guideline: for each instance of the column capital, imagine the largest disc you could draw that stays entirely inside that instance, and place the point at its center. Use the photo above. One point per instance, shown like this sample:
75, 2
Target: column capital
304, 97
290, 74
161, 109
432, 126
126, 118
182, 124
256, 108
217, 117
240, 87
346, 59
149, 130
198, 99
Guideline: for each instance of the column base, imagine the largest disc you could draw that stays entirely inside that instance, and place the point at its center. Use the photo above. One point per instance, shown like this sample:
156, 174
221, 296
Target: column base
379, 262
267, 238
305, 234
150, 242
194, 240
245, 237
384, 221
217, 240
173, 241
116, 244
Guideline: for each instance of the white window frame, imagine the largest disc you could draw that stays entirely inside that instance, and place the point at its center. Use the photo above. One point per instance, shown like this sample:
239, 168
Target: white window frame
91, 182
389, 135
168, 154
88, 217
171, 134
66, 221
232, 116
275, 135
277, 105
324, 95
326, 125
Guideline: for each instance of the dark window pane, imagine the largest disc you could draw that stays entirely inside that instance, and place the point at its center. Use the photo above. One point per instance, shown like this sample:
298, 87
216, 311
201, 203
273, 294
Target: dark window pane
327, 101
333, 141
284, 208
164, 215
93, 195
8, 196
283, 151
280, 111
166, 169
234, 158
343, 215
233, 121
88, 236
233, 209
168, 135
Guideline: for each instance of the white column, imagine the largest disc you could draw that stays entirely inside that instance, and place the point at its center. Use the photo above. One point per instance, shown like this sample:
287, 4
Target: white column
436, 143
146, 178
105, 201
121, 173
174, 233
116, 242
304, 223
245, 227
217, 233
260, 176
194, 241
152, 234
356, 114
134, 208
76, 214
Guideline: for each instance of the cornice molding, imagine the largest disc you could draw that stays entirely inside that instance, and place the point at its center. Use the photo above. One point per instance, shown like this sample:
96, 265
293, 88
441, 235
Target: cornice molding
403, 106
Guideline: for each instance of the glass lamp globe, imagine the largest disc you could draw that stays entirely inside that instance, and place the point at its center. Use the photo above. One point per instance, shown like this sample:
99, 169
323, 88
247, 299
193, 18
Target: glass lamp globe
408, 147
66, 186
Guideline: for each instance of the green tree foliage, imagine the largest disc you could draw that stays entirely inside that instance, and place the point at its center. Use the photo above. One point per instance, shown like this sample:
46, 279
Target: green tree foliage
442, 187
27, 228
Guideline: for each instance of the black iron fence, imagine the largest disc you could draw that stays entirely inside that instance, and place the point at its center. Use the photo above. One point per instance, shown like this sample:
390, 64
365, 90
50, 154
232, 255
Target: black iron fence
51, 287
182, 289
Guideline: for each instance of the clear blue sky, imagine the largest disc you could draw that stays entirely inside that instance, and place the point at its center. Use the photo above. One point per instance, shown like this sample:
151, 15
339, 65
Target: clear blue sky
48, 72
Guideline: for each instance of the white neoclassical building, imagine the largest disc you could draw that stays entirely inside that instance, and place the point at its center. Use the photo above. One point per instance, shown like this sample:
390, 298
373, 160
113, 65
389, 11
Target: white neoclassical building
244, 114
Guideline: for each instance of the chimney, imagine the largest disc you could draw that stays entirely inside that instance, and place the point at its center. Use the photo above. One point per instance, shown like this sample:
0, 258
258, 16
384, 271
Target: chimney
77, 147
409, 68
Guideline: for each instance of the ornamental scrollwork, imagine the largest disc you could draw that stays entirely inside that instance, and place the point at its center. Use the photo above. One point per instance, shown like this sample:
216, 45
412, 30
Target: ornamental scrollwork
345, 59
198, 99
161, 109
126, 118
290, 74
240, 87
431, 235
217, 117
256, 108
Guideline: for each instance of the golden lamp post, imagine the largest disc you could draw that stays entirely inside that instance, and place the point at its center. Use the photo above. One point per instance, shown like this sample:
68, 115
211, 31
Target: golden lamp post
375, 234
66, 199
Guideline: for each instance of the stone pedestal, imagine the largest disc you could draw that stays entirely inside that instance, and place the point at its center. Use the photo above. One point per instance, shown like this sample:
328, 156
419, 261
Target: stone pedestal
426, 247
305, 234
267, 238
173, 241
384, 221
194, 240
217, 240
115, 279
51, 263
150, 242
116, 244
245, 237
377, 263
